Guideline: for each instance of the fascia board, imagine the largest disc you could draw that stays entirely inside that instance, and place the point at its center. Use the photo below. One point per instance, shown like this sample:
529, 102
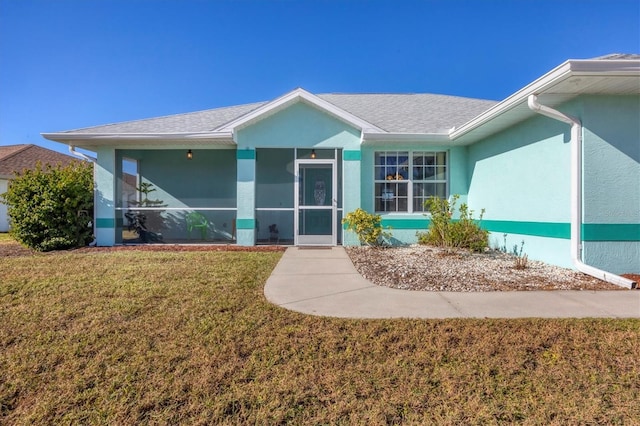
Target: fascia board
607, 67
429, 138
157, 137
297, 95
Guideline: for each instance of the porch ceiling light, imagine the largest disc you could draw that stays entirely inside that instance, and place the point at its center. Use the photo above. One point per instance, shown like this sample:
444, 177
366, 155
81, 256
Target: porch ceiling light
189, 155
313, 153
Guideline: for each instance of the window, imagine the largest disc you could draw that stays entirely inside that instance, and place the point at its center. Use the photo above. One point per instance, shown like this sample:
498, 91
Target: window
404, 180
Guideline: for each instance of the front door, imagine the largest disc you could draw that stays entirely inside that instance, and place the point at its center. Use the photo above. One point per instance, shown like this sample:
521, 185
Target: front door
316, 205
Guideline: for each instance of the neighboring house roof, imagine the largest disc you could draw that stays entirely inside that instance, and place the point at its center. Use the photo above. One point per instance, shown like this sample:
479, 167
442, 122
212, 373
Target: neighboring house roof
16, 158
381, 117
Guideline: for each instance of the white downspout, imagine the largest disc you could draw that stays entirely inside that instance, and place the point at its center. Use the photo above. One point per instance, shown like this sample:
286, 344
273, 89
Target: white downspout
72, 150
576, 194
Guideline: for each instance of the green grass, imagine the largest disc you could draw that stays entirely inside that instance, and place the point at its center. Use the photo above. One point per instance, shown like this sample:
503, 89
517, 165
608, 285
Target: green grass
138, 337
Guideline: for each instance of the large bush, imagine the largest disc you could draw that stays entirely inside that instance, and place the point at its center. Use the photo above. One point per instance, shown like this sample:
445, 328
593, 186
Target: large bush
50, 207
465, 232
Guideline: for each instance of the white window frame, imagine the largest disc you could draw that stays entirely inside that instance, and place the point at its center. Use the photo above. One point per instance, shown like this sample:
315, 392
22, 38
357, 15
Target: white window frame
409, 181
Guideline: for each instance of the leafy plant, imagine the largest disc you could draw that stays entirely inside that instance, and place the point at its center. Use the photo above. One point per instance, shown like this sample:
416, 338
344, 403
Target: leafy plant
367, 226
50, 208
465, 232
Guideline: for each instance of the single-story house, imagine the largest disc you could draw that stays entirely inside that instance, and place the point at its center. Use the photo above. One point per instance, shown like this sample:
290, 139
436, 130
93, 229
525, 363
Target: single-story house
556, 165
17, 158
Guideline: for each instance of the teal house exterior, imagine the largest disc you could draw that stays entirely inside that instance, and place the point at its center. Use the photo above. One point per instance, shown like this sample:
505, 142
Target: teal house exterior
556, 165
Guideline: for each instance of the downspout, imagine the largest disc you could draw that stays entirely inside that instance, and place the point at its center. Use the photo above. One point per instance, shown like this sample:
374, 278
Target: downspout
72, 150
576, 194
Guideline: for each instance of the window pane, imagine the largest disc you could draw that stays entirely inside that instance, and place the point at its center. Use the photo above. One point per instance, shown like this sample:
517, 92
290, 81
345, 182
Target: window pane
423, 191
391, 197
392, 165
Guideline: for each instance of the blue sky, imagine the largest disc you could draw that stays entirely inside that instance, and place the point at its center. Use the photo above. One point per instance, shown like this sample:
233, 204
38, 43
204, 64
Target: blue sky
68, 64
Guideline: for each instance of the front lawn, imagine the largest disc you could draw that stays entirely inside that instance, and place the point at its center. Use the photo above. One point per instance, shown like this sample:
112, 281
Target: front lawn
143, 337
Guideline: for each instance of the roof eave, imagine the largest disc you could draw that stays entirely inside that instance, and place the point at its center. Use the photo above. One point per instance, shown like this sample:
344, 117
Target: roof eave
374, 138
97, 139
543, 84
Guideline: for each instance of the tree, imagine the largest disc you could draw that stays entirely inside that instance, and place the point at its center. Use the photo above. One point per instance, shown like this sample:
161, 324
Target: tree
51, 207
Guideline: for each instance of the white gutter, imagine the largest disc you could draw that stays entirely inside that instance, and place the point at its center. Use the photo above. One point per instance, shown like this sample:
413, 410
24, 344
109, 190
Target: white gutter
187, 136
576, 194
405, 137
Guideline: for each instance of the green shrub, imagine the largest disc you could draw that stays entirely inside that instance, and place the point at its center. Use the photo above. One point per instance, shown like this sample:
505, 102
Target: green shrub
367, 226
50, 208
465, 232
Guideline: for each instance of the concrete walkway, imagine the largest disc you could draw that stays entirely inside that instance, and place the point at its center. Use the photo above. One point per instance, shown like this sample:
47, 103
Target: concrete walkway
323, 281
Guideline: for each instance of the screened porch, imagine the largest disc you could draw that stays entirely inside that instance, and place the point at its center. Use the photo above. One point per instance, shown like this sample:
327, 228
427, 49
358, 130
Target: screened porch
166, 196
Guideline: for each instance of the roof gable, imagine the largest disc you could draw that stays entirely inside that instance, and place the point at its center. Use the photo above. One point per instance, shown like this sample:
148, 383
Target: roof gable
298, 95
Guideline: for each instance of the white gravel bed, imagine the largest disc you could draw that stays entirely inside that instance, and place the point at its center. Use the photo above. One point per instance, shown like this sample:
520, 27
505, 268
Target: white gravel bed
428, 268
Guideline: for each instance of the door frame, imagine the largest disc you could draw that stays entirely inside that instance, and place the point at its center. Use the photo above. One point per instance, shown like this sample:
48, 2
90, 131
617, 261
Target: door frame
316, 240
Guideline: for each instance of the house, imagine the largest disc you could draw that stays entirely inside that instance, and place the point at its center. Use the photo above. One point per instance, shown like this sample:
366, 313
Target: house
556, 165
16, 158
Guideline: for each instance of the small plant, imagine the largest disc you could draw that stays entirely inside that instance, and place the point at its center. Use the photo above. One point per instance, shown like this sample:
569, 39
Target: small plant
503, 247
521, 260
367, 226
465, 232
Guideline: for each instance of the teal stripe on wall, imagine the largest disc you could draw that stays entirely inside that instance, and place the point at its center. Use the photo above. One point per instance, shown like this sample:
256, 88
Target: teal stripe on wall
538, 229
610, 232
102, 222
246, 154
590, 231
351, 155
406, 223
245, 223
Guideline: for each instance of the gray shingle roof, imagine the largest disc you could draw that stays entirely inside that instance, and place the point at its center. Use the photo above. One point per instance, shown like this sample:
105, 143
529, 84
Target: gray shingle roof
199, 121
615, 56
411, 113
396, 113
